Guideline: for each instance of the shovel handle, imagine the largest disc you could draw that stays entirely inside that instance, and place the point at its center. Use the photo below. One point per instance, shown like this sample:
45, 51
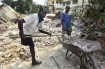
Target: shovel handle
32, 36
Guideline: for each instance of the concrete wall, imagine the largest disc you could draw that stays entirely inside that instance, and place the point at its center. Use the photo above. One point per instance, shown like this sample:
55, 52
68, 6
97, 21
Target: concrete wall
9, 12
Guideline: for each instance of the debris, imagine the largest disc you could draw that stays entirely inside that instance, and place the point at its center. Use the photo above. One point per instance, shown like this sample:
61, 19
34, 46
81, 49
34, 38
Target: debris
50, 16
78, 66
69, 65
103, 62
0, 53
21, 55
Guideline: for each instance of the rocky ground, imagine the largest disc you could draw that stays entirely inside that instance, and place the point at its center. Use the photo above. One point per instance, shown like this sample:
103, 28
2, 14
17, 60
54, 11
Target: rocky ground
48, 49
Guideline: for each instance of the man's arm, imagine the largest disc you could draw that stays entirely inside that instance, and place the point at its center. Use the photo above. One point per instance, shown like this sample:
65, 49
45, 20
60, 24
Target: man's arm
20, 26
42, 31
62, 24
62, 19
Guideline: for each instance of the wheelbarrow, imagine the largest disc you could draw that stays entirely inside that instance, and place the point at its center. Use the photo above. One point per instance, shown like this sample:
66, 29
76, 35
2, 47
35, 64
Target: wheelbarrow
86, 58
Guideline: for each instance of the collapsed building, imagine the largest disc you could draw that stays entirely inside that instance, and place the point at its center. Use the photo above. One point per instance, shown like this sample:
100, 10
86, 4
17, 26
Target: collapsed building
7, 14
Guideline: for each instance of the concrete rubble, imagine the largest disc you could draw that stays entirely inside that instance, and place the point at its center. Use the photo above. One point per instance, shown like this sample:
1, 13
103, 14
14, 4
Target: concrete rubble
83, 44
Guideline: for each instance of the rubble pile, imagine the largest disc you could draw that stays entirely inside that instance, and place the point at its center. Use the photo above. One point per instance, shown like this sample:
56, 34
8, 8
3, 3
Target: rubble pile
9, 52
82, 43
3, 27
50, 27
55, 23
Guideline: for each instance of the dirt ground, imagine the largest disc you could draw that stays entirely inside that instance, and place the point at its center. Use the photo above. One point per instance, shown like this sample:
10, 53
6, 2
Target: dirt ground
46, 55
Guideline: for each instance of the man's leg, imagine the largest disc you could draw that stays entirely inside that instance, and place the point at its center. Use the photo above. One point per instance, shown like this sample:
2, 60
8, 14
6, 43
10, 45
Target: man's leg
63, 33
32, 51
63, 38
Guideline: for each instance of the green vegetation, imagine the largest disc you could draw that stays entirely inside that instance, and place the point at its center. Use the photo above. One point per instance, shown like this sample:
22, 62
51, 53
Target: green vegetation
24, 6
93, 16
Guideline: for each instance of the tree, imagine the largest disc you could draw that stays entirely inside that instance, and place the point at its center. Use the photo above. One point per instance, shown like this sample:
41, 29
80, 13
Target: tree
35, 8
28, 5
8, 2
94, 15
24, 6
47, 5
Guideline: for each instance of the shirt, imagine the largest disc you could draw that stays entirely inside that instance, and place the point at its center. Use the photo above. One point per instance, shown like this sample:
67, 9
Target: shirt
66, 18
31, 24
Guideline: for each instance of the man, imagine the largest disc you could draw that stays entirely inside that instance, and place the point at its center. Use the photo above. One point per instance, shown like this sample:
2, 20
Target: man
27, 27
65, 22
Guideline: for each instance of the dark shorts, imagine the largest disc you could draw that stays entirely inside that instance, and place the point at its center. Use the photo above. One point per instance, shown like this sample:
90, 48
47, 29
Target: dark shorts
27, 41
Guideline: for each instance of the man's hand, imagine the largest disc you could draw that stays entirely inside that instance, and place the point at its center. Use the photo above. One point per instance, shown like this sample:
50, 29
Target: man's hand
22, 36
50, 34
62, 28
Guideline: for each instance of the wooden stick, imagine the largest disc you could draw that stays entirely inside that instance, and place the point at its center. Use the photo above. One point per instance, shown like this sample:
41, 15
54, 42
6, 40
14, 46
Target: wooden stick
55, 62
32, 36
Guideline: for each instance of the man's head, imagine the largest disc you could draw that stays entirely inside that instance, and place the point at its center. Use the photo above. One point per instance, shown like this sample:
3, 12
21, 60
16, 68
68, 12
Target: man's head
67, 9
42, 12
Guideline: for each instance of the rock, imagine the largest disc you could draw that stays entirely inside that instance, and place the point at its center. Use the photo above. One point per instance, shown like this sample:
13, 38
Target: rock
7, 55
11, 33
78, 66
50, 15
0, 53
1, 59
21, 55
47, 20
103, 62
69, 65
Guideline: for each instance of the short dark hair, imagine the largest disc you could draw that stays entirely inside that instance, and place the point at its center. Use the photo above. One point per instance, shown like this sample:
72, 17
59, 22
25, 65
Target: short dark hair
43, 9
67, 7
